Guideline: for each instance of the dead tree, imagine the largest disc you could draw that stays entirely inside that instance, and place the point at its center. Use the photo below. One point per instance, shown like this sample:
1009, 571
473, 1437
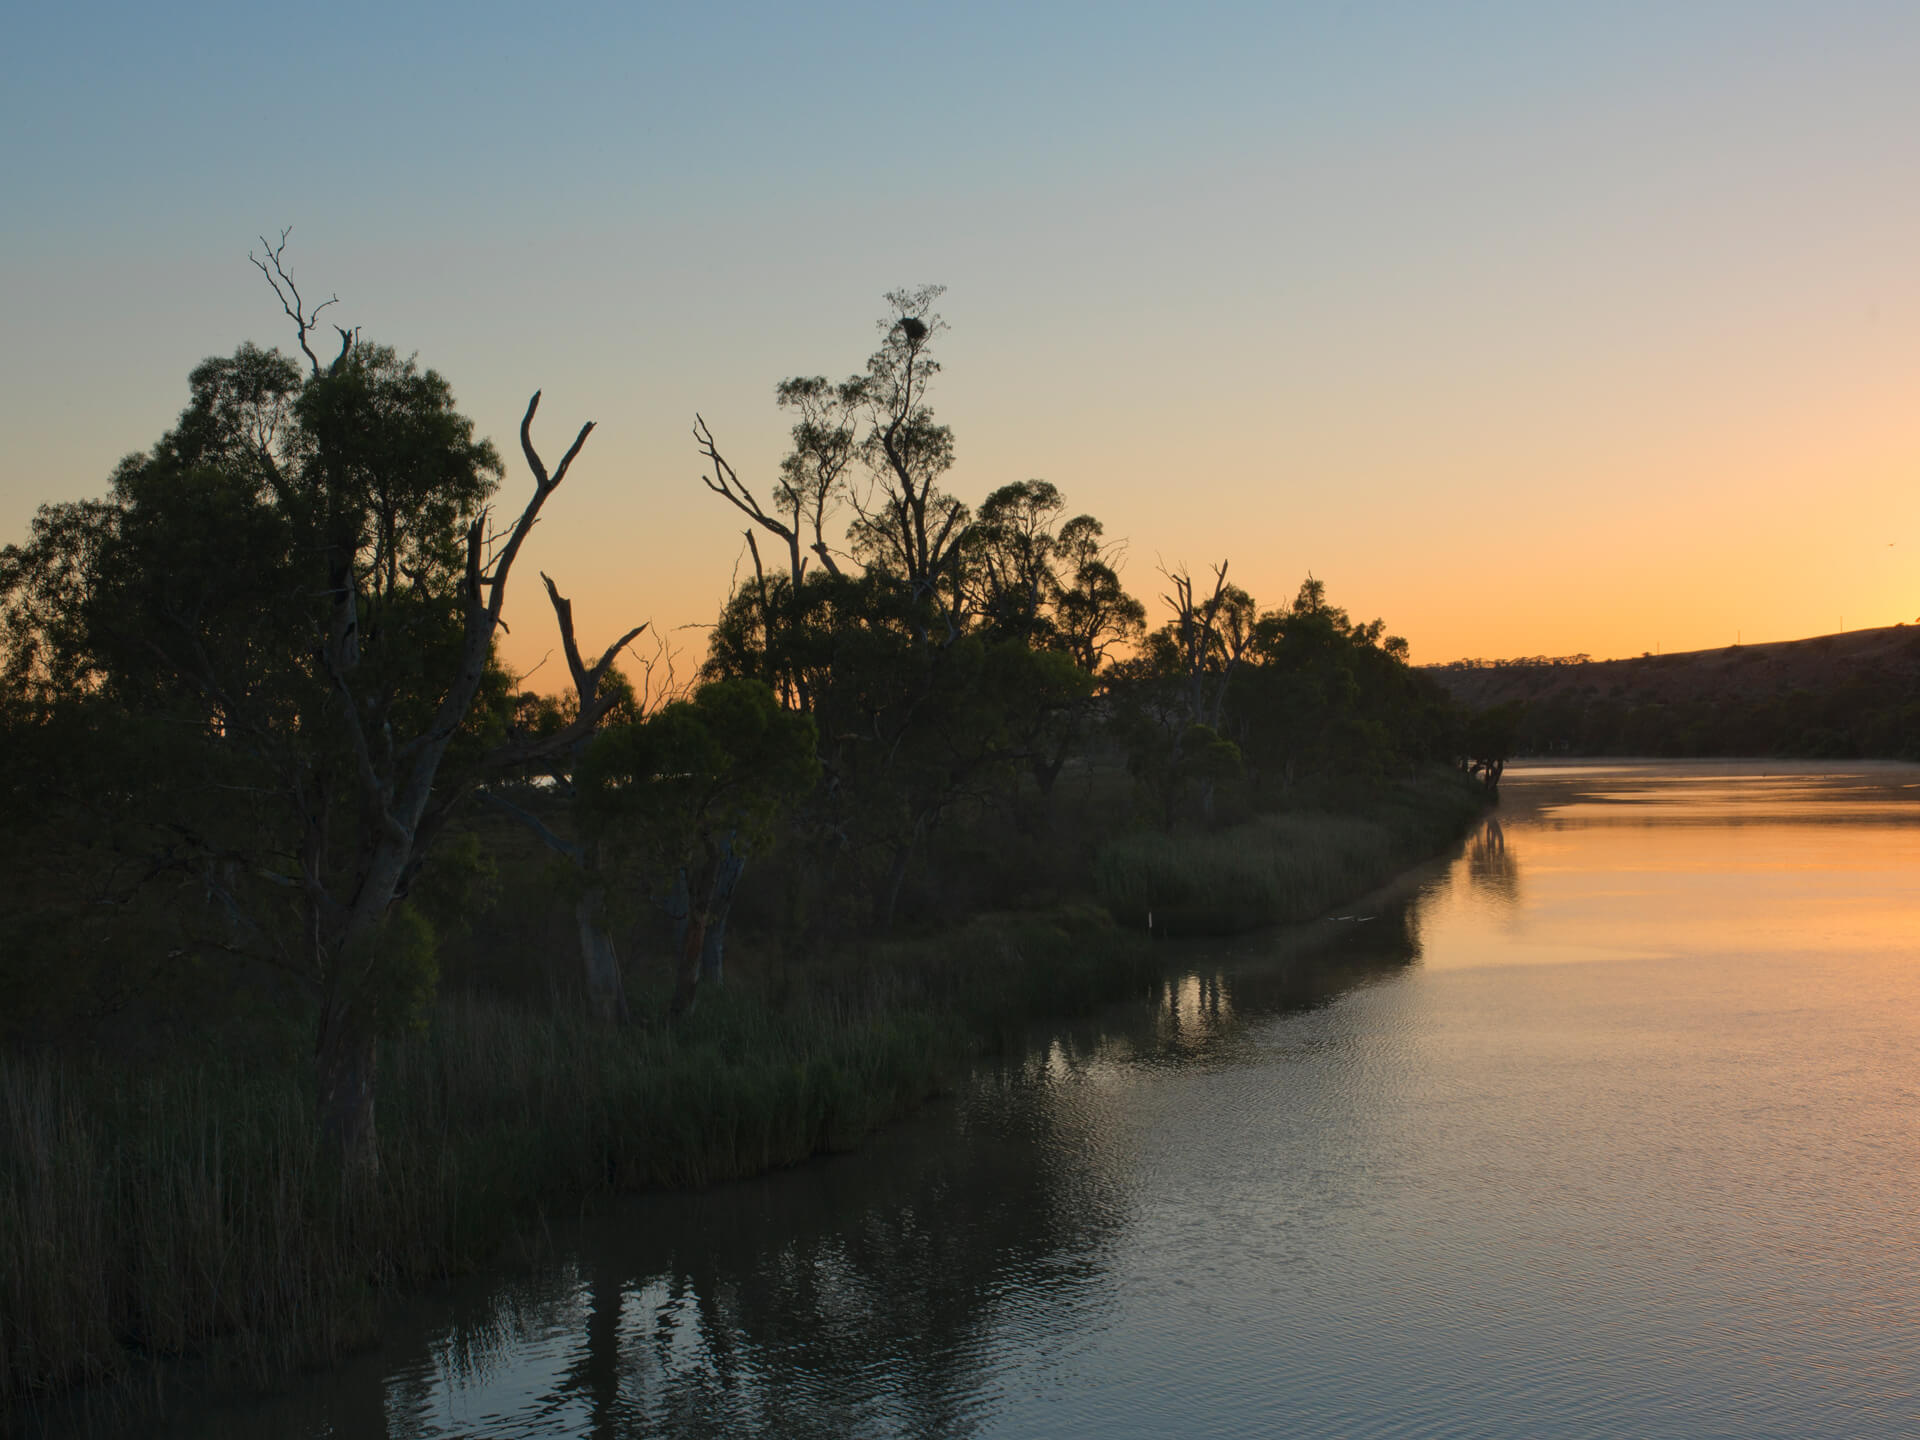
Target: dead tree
402, 784
599, 954
1211, 633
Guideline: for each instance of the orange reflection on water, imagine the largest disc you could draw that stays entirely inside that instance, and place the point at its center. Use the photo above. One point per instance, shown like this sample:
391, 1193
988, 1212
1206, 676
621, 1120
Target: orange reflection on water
1684, 860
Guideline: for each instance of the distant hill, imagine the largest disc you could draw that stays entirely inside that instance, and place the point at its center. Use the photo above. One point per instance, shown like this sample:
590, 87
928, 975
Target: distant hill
1854, 694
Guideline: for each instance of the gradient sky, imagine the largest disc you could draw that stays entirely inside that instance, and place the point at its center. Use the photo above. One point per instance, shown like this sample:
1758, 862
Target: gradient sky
1532, 329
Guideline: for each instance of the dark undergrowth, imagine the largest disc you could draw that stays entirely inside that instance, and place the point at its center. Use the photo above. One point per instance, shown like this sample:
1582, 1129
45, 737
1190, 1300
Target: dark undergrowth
189, 1210
1279, 868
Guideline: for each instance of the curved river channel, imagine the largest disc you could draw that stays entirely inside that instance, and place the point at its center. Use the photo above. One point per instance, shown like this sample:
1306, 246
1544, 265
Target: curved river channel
1605, 1126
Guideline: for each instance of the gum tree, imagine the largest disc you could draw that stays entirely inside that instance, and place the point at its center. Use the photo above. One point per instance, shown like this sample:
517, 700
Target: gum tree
301, 585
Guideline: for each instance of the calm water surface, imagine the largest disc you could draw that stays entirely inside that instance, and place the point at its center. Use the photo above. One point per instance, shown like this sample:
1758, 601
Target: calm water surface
1605, 1127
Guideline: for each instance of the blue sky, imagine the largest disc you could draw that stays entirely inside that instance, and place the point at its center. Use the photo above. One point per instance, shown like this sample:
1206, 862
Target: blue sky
1613, 308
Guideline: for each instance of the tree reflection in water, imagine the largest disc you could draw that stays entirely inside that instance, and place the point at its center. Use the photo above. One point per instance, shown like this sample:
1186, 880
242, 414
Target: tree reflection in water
866, 1294
1492, 871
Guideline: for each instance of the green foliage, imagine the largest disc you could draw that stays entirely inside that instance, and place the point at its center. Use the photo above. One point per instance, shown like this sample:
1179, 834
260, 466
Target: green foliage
1324, 697
401, 961
1209, 758
1278, 868
908, 726
1093, 613
224, 657
726, 762
1491, 734
459, 883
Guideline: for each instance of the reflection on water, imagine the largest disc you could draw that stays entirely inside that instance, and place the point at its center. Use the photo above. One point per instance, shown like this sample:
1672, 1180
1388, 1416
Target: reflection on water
1492, 871
1607, 1126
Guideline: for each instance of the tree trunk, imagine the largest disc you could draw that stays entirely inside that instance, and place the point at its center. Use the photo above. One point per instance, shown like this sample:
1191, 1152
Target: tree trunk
678, 905
346, 1056
686, 982
606, 994
895, 879
1046, 771
713, 948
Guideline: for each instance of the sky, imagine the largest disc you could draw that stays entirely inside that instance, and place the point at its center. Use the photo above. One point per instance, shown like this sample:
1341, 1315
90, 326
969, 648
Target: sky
1529, 329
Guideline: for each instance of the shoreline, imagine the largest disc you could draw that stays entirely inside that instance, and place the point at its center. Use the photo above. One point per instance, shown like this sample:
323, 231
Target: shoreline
495, 1120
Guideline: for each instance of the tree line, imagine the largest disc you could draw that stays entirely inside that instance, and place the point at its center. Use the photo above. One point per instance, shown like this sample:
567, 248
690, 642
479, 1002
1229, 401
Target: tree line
1871, 715
260, 728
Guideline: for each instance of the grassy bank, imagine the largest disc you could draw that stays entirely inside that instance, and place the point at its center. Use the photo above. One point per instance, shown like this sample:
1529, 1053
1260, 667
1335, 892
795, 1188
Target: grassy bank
189, 1211
1278, 869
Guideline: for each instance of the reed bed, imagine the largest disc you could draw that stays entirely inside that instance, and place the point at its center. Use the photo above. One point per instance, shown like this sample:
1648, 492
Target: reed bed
193, 1212
1279, 868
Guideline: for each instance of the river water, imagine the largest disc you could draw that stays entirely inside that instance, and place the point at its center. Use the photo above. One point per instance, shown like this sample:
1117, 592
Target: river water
1605, 1126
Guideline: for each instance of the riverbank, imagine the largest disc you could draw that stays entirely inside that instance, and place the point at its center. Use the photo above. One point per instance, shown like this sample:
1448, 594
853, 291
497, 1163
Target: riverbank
1434, 1185
184, 1212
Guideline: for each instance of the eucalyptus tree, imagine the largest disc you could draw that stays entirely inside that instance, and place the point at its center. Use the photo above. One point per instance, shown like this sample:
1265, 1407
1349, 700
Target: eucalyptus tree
301, 584
1093, 613
877, 423
1327, 697
1205, 641
1050, 586
1011, 560
807, 496
945, 651
905, 524
1173, 693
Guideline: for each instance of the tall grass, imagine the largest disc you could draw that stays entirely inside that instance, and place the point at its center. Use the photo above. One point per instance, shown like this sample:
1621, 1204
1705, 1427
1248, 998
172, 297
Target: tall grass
160, 1216
1277, 869
192, 1211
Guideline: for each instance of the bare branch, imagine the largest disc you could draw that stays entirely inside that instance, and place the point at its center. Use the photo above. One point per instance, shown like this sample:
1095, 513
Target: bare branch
604, 664
727, 483
566, 460
526, 443
563, 612
573, 852
534, 462
648, 696
586, 682
417, 802
288, 294
495, 577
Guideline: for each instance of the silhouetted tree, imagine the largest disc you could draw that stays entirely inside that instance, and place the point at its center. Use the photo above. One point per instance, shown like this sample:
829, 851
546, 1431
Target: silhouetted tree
906, 525
302, 581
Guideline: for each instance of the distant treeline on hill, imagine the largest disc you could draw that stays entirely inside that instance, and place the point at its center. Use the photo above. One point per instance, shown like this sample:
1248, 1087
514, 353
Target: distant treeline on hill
1522, 662
1848, 696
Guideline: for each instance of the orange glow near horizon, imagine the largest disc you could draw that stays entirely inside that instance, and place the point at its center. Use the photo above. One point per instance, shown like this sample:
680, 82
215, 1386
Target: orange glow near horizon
1571, 329
1767, 524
